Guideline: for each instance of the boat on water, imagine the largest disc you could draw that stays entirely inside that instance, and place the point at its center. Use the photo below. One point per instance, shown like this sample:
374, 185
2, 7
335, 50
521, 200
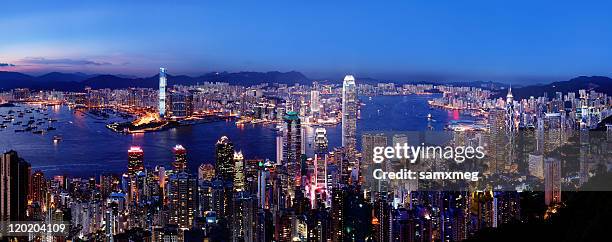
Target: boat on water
38, 132
57, 138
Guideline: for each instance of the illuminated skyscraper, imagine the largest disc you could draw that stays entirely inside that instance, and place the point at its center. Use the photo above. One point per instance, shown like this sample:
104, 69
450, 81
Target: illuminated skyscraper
238, 171
225, 159
368, 142
292, 144
511, 127
162, 92
497, 140
400, 139
182, 199
320, 162
135, 160
14, 179
320, 140
314, 102
552, 181
180, 158
179, 105
279, 150
510, 116
349, 112
38, 188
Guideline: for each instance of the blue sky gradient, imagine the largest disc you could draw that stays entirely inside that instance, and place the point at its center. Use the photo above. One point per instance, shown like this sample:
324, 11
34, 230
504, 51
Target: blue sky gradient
508, 41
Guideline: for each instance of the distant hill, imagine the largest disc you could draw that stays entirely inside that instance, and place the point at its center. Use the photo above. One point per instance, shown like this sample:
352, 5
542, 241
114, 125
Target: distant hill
9, 80
254, 78
598, 83
78, 81
115, 82
63, 77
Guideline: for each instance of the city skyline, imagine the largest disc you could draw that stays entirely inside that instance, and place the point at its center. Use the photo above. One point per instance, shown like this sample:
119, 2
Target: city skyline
278, 162
515, 42
318, 121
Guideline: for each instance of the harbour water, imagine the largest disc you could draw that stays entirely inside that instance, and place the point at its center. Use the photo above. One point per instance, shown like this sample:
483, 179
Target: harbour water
88, 148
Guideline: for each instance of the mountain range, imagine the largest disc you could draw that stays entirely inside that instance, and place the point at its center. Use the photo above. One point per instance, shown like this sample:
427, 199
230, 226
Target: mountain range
78, 81
598, 83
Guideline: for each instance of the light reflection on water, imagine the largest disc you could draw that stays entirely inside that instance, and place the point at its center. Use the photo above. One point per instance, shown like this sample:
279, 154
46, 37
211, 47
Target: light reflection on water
89, 148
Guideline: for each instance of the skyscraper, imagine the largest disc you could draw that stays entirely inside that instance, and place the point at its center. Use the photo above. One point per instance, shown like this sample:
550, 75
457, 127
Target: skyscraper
349, 112
14, 179
182, 199
162, 92
552, 181
320, 161
224, 154
496, 149
179, 104
180, 158
135, 160
238, 171
314, 102
320, 140
292, 144
368, 142
510, 116
38, 188
135, 169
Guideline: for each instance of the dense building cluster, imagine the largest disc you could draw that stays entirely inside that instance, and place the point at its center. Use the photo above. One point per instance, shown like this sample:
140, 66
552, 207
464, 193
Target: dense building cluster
324, 197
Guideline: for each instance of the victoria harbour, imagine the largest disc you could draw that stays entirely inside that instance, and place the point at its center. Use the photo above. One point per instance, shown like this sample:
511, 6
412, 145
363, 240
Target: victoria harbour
88, 148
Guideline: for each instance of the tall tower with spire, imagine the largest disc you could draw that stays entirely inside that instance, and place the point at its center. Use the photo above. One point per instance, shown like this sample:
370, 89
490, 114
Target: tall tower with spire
509, 96
510, 126
162, 92
510, 114
349, 112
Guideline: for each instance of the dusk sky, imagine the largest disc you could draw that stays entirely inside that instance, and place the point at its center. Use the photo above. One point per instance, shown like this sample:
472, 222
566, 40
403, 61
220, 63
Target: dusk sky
510, 41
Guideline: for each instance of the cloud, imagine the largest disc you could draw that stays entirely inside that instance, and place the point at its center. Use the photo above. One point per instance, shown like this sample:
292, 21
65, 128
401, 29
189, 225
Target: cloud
6, 64
63, 61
